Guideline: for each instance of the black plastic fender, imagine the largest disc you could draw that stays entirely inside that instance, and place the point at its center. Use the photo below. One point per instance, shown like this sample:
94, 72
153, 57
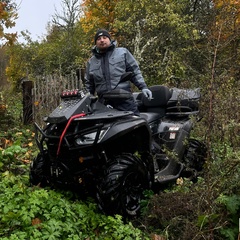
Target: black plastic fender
132, 131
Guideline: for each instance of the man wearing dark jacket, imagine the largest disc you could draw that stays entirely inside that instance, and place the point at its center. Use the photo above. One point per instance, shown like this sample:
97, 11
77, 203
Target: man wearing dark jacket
107, 65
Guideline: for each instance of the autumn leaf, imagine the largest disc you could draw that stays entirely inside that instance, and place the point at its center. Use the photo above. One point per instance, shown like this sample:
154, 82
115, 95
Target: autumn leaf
36, 221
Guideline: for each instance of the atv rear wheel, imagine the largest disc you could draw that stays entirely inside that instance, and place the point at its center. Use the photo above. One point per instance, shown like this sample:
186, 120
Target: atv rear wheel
194, 158
39, 170
121, 189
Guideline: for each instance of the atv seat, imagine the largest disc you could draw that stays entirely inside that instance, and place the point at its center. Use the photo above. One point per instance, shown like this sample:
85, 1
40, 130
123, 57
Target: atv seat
156, 107
149, 117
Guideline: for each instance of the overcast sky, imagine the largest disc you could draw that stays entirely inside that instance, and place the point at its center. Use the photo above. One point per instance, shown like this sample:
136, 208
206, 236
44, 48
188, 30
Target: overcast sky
34, 16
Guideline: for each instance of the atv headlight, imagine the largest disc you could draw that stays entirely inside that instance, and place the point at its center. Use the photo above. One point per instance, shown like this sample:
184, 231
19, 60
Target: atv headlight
89, 138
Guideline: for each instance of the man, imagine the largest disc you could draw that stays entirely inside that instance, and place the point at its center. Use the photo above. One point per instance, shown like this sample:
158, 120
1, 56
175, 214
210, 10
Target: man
107, 65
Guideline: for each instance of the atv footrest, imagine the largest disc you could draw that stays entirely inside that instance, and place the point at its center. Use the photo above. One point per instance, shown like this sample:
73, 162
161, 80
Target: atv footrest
164, 179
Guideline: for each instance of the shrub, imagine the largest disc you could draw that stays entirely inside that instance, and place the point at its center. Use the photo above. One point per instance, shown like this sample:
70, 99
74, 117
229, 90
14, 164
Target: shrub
35, 213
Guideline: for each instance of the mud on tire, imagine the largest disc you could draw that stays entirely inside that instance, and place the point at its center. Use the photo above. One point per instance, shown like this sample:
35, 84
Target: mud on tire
121, 189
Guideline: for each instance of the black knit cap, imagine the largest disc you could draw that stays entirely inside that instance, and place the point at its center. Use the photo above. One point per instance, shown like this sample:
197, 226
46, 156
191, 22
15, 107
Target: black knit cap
102, 32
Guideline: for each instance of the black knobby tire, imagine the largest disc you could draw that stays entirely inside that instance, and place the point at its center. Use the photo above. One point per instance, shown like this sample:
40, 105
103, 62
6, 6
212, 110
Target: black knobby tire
194, 157
39, 170
121, 188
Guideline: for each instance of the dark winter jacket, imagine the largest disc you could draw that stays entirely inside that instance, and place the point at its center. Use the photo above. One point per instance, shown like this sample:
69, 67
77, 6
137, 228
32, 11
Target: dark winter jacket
104, 70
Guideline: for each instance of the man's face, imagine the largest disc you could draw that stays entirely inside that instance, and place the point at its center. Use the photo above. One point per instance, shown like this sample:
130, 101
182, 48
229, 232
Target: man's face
103, 43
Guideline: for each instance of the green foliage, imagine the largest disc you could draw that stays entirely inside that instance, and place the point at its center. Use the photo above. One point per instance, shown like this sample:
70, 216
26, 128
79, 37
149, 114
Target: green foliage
175, 42
8, 156
232, 205
12, 109
148, 194
34, 213
153, 31
64, 49
8, 15
17, 146
223, 170
209, 207
206, 219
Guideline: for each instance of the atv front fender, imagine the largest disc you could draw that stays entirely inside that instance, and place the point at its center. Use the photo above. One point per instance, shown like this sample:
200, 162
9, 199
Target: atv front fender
130, 135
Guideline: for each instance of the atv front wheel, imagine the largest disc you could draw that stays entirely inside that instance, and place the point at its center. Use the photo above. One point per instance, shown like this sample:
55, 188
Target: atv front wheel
39, 170
121, 189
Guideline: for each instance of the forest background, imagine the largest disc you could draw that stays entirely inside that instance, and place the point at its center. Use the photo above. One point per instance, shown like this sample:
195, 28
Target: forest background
187, 44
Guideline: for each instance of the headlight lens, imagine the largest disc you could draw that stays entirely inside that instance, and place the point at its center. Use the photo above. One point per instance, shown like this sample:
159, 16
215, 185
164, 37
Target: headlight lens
89, 138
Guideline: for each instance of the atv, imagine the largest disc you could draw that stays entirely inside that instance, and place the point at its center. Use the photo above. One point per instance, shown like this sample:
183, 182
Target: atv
114, 156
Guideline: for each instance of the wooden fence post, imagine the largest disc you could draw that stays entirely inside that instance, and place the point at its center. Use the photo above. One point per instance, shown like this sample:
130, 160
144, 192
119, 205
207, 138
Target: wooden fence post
27, 86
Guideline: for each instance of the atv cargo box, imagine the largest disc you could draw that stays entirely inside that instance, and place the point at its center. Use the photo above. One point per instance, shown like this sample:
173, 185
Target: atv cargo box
183, 102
